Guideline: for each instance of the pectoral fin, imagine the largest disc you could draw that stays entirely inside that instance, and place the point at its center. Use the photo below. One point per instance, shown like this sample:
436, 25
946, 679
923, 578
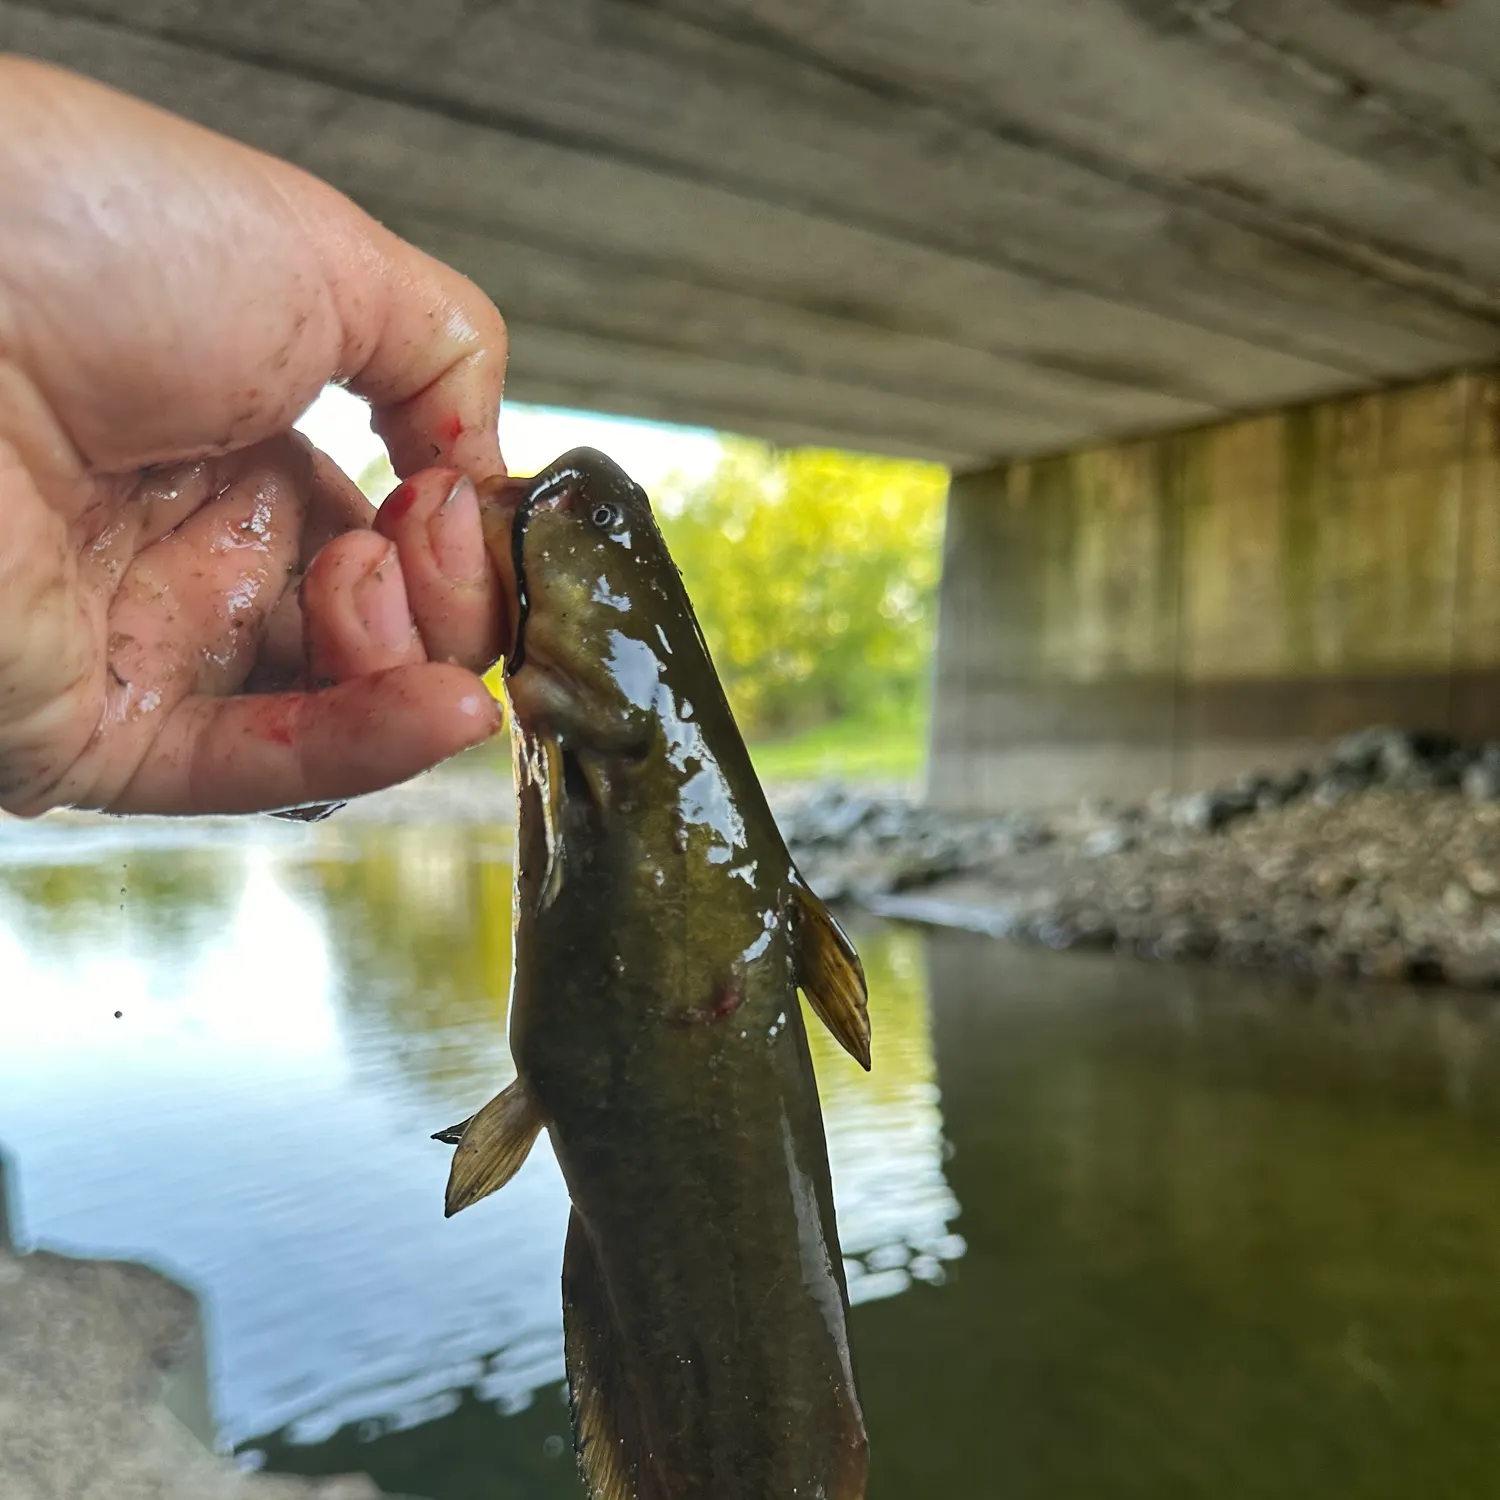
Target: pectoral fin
453, 1134
607, 1428
831, 975
491, 1146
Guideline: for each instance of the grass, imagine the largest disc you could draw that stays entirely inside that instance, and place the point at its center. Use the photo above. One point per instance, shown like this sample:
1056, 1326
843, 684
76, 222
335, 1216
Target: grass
854, 749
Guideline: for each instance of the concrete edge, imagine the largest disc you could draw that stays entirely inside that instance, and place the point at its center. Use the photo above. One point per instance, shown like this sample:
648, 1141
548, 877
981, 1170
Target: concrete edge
147, 1329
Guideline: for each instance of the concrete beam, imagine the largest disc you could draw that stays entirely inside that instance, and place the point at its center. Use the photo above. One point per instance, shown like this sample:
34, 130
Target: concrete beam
955, 230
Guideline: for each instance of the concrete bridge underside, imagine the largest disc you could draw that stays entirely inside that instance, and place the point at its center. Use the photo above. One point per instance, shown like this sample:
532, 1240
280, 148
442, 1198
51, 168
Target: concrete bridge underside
988, 234
967, 231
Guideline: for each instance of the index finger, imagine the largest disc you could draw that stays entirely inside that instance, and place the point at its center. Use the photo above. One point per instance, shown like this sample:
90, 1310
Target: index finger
424, 345
171, 294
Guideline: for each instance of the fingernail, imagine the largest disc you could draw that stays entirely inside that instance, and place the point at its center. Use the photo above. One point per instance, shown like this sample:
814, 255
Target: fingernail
398, 502
380, 600
455, 533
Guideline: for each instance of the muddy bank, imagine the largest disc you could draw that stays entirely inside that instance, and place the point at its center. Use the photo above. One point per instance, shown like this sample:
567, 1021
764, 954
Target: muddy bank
1382, 860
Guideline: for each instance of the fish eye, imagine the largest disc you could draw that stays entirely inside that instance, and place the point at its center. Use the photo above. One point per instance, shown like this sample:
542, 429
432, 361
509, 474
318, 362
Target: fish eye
606, 515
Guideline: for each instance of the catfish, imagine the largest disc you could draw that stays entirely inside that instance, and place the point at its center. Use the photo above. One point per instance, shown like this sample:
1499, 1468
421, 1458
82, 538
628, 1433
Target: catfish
662, 934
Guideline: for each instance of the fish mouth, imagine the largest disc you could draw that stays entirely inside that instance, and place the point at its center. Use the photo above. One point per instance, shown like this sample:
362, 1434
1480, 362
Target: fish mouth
508, 505
500, 499
546, 697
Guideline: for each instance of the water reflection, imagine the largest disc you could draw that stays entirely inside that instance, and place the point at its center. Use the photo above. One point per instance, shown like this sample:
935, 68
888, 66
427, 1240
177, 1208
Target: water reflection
1222, 1236
298, 1010
1226, 1237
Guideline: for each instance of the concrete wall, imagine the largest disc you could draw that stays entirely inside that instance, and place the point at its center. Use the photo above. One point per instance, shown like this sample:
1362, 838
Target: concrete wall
1171, 611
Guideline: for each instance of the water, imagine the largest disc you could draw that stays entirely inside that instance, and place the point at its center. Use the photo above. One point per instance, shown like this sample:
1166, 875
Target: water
1114, 1230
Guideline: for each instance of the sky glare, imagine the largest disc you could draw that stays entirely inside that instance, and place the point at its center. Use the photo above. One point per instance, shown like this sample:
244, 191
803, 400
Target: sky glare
531, 437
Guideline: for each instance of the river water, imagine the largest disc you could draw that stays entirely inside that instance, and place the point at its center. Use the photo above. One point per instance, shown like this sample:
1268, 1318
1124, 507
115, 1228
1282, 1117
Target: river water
1113, 1230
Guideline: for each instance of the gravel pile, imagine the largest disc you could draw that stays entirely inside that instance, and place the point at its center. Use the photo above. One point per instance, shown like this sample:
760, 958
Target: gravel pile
1383, 860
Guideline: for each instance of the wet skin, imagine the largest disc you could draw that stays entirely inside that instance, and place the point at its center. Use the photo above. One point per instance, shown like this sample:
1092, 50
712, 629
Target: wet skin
661, 935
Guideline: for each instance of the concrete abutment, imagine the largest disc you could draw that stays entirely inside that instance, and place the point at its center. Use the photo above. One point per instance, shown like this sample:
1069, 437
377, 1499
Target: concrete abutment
1169, 612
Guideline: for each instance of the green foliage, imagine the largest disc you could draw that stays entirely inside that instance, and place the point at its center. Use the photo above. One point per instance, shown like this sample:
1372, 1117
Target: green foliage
814, 575
377, 479
889, 748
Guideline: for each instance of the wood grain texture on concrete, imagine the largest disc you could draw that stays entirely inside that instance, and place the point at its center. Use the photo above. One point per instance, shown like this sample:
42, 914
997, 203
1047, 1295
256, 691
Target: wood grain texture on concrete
967, 232
1171, 611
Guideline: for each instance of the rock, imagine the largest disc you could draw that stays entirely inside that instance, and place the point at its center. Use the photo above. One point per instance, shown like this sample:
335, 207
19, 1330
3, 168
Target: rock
1031, 832
1400, 759
1481, 780
1054, 934
1098, 810
1093, 929
1458, 901
1293, 785
1207, 812
831, 815
1339, 785
1388, 961
1394, 756
890, 822
1329, 880
103, 1391
1369, 864
1363, 751
1181, 939
830, 886
1159, 805
1449, 770
1103, 842
924, 867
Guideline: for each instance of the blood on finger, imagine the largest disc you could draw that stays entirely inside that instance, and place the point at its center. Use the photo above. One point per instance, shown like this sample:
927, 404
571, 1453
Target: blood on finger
278, 717
394, 507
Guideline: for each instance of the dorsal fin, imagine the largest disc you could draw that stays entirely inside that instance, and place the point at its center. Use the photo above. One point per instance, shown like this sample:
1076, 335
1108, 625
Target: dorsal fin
830, 973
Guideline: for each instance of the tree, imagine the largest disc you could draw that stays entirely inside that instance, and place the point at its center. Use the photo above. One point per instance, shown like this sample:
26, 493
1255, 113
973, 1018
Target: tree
814, 574
377, 479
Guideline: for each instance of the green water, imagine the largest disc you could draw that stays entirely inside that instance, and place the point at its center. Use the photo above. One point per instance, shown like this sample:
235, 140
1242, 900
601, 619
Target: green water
1115, 1230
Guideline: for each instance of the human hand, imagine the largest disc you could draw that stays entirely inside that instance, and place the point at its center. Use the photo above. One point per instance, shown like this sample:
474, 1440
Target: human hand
198, 612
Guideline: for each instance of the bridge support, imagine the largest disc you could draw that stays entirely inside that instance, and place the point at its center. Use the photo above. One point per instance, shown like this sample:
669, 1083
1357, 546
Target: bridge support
1171, 611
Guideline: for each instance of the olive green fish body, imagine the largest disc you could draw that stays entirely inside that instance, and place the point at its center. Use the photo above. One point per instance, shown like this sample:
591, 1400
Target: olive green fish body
662, 934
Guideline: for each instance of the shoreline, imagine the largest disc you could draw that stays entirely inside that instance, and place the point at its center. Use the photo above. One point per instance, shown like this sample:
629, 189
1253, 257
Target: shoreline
1382, 862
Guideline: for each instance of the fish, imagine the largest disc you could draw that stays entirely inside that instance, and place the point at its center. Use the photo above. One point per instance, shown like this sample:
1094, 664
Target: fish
662, 934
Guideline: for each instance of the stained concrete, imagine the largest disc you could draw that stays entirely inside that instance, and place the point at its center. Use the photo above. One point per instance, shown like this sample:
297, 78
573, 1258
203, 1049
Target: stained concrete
969, 232
104, 1389
1168, 612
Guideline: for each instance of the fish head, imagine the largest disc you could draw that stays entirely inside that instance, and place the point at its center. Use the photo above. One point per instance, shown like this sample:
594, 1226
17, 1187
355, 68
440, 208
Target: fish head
600, 619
